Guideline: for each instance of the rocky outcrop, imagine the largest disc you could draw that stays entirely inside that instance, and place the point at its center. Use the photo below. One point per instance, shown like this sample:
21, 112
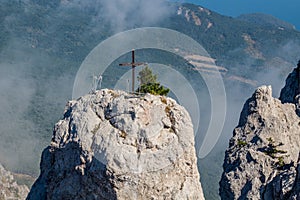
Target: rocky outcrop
9, 189
261, 161
114, 145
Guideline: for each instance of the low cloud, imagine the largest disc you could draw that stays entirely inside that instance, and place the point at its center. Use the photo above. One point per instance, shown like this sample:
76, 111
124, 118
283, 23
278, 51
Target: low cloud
123, 14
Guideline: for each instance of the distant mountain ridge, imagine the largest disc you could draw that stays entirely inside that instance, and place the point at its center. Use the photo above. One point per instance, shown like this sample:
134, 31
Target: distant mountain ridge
266, 20
239, 44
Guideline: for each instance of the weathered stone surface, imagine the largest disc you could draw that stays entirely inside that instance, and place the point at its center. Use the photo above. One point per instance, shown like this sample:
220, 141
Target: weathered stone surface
113, 145
261, 161
9, 189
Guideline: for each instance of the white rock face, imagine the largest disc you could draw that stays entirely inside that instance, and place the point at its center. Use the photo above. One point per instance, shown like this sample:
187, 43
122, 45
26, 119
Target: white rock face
113, 145
9, 189
261, 161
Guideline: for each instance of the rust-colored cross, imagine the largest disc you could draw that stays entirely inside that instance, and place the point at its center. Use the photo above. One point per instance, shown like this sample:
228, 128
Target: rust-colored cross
133, 64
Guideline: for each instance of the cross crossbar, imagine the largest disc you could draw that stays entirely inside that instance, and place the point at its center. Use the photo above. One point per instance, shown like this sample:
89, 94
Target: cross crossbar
133, 64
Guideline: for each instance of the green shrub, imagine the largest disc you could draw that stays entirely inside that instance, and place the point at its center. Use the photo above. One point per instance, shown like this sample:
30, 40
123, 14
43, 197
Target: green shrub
153, 88
149, 83
280, 162
241, 143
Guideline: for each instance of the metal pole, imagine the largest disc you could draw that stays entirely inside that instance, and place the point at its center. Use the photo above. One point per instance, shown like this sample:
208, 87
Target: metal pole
100, 81
133, 66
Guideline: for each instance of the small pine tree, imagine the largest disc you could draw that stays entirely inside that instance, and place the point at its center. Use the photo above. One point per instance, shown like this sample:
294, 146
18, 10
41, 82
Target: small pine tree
146, 76
149, 84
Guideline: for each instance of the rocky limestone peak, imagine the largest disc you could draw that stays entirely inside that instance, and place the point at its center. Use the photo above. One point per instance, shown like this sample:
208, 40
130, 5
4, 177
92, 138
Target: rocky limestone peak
261, 161
115, 145
9, 189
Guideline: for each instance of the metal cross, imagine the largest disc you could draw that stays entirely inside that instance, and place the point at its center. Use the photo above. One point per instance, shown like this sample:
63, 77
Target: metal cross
133, 64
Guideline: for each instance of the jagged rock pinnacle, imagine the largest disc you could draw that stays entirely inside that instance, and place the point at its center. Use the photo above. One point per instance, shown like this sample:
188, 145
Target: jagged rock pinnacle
261, 161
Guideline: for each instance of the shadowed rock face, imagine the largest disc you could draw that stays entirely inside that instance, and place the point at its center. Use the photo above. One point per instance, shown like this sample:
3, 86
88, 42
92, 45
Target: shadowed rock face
291, 89
9, 189
295, 193
113, 145
261, 161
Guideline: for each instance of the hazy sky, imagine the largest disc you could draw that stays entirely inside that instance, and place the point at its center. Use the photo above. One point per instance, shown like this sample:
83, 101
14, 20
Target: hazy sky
288, 10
